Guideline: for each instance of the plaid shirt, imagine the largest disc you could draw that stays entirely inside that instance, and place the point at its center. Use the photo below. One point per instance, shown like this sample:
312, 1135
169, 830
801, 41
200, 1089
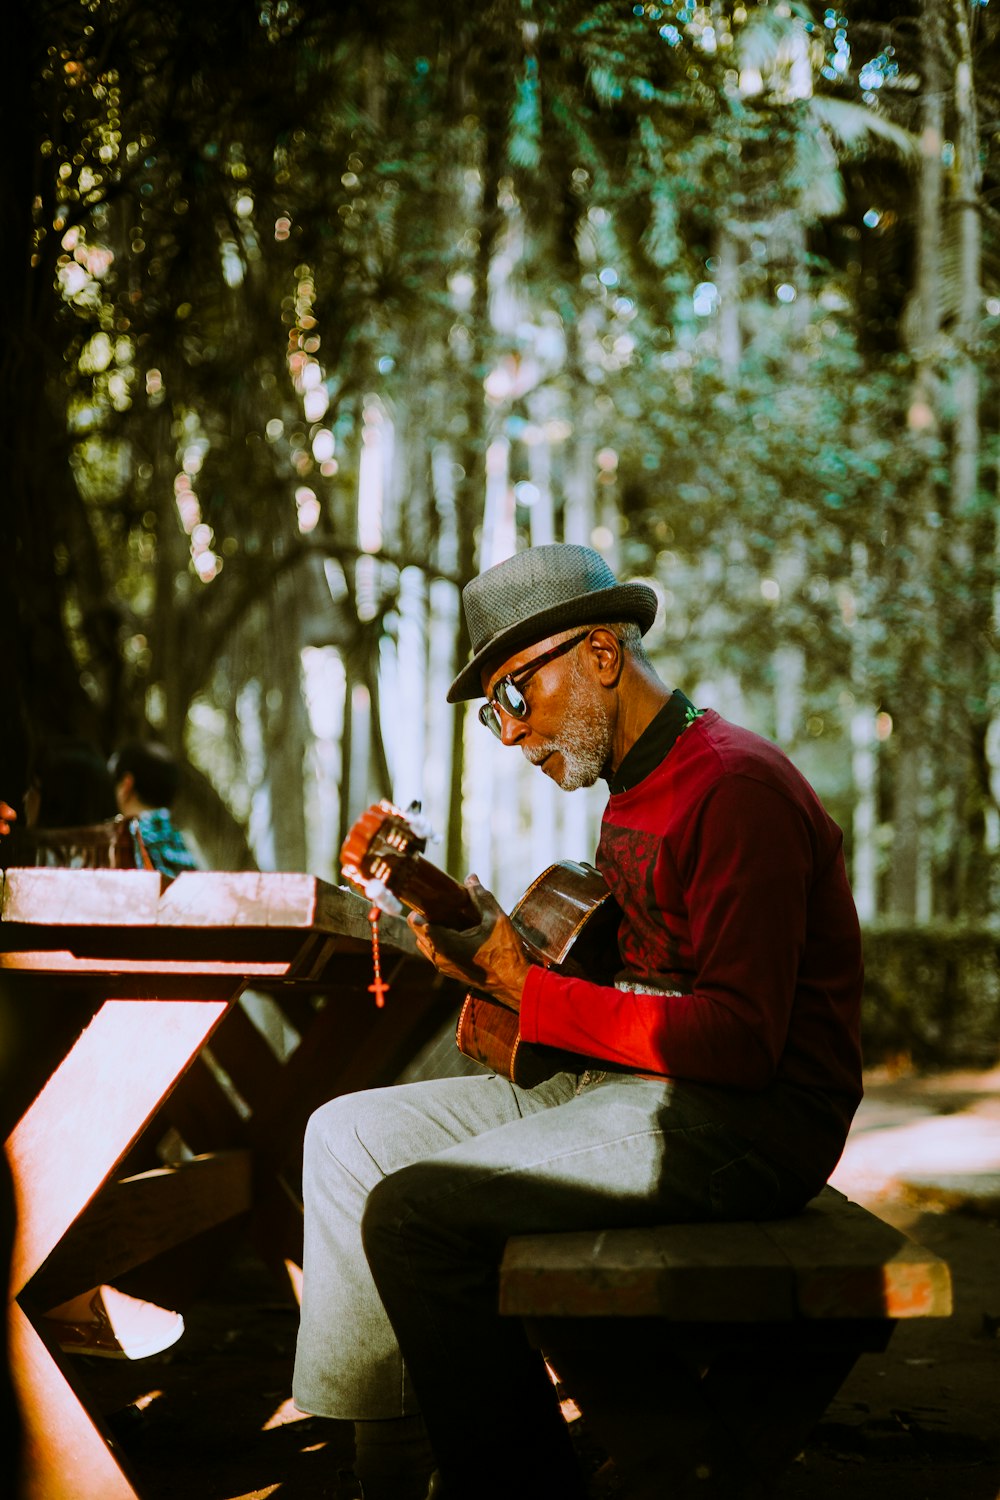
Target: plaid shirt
164, 844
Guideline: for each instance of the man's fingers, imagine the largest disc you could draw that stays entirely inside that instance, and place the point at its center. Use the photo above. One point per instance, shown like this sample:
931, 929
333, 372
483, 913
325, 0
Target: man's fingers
484, 900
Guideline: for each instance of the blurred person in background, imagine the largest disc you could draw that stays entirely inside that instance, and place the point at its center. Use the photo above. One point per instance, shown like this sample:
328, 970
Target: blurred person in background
146, 779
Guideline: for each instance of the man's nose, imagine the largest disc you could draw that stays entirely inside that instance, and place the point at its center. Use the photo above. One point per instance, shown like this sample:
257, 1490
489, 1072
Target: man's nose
512, 731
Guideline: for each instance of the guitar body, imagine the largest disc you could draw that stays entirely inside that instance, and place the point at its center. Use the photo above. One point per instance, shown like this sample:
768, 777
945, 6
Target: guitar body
567, 920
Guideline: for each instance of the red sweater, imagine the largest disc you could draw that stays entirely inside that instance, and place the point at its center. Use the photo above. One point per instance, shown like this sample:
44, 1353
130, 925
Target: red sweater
731, 880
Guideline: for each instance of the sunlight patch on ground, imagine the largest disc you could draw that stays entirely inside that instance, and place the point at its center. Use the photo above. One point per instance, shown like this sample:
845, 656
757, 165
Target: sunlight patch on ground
286, 1413
907, 1144
142, 1402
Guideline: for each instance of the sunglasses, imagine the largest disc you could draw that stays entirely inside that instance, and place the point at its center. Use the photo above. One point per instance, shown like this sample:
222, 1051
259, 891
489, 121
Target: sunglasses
507, 692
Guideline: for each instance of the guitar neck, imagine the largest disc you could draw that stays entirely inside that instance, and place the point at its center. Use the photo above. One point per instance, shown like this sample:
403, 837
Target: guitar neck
432, 893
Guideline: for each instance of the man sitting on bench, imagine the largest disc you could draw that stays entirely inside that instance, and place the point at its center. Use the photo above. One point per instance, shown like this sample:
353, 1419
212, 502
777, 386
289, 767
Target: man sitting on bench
717, 1076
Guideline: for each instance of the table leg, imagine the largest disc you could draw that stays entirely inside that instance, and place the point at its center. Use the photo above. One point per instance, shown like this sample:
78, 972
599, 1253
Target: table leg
65, 1455
63, 1149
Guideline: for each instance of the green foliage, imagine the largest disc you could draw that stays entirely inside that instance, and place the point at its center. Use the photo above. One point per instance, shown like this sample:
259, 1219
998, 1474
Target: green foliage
249, 221
932, 996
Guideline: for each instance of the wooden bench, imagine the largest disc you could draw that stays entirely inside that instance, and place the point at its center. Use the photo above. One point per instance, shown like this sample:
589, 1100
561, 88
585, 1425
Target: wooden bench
702, 1354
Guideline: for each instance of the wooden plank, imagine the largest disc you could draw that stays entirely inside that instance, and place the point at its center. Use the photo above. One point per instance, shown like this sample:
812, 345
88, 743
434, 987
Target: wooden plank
242, 1051
66, 1456
296, 1007
317, 953
685, 1272
137, 1218
245, 898
197, 899
75, 1132
76, 966
341, 910
93, 898
275, 899
204, 1117
850, 1264
43, 1023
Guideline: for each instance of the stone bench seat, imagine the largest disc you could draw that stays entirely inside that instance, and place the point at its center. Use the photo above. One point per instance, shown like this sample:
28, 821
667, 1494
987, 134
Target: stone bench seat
702, 1354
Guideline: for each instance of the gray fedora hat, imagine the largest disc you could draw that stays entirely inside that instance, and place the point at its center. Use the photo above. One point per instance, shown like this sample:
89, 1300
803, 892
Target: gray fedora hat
537, 593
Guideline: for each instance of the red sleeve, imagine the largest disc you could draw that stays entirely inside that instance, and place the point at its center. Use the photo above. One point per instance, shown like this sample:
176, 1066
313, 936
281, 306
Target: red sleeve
744, 869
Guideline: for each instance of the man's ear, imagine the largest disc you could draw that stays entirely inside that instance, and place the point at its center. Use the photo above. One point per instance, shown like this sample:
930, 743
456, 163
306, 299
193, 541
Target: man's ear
609, 654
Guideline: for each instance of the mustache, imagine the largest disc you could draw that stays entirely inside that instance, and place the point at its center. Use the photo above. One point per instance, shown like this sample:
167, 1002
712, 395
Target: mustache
536, 754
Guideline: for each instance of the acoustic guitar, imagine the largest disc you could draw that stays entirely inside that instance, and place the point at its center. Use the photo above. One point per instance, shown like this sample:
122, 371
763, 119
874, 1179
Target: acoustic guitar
567, 920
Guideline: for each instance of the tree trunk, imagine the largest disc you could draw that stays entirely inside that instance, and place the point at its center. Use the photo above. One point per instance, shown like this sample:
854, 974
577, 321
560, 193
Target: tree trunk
728, 282
471, 488
970, 871
43, 690
913, 708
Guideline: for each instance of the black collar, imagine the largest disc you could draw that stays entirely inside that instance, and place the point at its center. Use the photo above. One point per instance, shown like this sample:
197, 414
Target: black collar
655, 742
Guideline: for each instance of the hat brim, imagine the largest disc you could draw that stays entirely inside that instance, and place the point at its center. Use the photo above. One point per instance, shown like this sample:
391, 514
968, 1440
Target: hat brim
626, 601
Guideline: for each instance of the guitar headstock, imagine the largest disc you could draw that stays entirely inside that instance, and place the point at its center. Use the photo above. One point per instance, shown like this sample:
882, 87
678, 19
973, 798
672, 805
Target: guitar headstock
384, 856
375, 853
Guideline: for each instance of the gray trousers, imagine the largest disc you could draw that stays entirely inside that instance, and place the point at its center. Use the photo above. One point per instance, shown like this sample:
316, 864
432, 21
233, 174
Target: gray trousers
410, 1194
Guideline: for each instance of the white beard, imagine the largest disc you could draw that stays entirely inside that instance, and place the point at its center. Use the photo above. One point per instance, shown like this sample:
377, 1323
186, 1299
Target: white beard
583, 741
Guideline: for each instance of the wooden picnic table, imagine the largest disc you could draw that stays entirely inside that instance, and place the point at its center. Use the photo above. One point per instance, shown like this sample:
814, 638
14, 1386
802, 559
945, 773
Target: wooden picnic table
113, 982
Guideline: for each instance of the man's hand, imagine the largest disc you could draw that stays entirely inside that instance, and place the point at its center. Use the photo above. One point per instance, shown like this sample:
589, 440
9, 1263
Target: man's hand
489, 956
7, 817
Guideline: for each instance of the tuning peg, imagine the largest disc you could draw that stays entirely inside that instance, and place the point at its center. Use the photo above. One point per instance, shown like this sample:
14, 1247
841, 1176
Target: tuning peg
421, 826
379, 895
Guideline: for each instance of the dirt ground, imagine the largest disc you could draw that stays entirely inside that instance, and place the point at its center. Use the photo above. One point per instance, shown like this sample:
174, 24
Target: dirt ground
211, 1419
